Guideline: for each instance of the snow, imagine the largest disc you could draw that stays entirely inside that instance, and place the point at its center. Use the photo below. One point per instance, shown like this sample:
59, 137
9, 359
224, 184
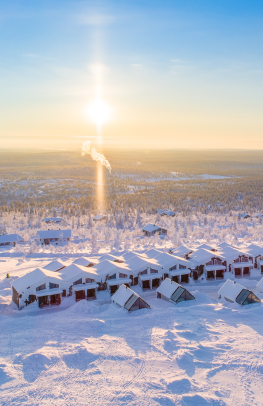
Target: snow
204, 352
54, 234
84, 261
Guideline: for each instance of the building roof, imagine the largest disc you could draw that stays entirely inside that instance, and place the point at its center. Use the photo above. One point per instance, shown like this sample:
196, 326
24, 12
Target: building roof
182, 250
260, 285
167, 288
111, 257
5, 238
202, 255
168, 259
205, 246
136, 263
168, 213
99, 217
231, 252
152, 227
122, 295
152, 253
72, 270
85, 261
131, 254
54, 219
55, 265
107, 267
254, 250
230, 290
31, 278
46, 234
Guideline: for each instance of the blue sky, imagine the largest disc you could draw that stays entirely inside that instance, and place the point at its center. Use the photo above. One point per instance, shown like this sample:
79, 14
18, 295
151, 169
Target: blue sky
180, 70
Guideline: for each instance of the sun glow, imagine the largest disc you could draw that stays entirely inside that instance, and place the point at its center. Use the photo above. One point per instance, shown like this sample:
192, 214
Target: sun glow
99, 112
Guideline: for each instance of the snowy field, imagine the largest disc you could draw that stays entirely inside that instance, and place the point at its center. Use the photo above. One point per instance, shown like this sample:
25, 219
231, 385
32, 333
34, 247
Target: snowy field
203, 352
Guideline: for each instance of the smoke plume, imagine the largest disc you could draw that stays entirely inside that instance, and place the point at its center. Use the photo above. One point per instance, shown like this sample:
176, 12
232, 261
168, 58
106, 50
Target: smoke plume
95, 155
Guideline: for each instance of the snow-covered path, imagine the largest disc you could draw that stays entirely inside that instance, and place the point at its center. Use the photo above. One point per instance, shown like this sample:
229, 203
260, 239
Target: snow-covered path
195, 353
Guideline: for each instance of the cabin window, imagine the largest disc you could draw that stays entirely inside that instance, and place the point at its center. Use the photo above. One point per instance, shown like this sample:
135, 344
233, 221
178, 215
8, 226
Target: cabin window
89, 280
78, 282
41, 287
172, 268
143, 272
53, 285
153, 270
182, 266
112, 276
122, 275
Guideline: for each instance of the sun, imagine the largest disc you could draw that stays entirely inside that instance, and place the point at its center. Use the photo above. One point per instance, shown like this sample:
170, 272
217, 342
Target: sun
99, 112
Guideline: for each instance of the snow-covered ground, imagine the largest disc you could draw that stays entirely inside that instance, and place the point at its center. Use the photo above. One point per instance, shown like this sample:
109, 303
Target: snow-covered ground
202, 352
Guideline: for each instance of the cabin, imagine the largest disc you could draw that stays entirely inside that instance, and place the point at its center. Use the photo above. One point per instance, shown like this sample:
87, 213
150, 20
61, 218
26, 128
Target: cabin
168, 213
234, 292
78, 280
173, 292
128, 299
10, 239
53, 236
212, 264
239, 263
55, 265
112, 275
243, 215
173, 267
146, 272
39, 285
152, 229
100, 217
49, 220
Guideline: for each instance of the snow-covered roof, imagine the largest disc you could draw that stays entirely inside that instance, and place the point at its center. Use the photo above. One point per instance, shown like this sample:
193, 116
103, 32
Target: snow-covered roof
54, 219
168, 213
230, 290
110, 257
131, 254
85, 261
122, 295
259, 215
85, 286
136, 263
107, 267
42, 234
230, 252
99, 217
254, 250
152, 227
205, 246
167, 288
5, 238
202, 255
182, 250
160, 211
152, 253
168, 259
31, 278
75, 270
55, 265
223, 245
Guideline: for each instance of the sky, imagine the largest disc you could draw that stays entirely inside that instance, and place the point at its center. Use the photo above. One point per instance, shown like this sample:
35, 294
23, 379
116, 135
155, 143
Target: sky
173, 74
